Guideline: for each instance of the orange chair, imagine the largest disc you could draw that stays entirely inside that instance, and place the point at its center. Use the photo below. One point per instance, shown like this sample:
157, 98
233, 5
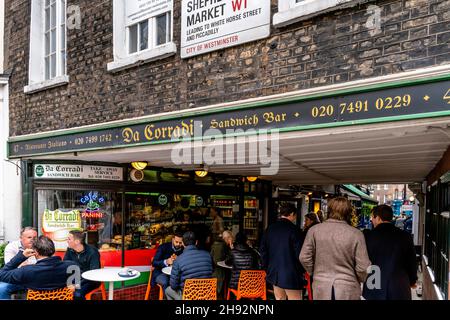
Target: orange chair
88, 296
308, 285
58, 294
151, 293
251, 285
200, 289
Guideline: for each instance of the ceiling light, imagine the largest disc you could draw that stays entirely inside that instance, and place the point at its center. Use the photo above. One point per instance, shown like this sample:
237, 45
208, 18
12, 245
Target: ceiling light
202, 171
252, 179
139, 165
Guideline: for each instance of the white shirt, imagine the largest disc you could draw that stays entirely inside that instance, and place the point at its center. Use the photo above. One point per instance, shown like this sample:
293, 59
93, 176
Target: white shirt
13, 248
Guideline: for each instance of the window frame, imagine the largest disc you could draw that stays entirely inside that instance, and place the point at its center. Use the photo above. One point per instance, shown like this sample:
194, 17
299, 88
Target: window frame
37, 72
123, 58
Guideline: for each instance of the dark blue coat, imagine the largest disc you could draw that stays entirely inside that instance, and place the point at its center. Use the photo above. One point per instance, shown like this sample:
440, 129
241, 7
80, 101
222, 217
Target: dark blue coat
280, 249
164, 252
192, 264
46, 274
392, 250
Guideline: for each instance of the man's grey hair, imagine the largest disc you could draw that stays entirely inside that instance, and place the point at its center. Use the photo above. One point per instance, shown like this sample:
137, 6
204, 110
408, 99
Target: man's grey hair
27, 229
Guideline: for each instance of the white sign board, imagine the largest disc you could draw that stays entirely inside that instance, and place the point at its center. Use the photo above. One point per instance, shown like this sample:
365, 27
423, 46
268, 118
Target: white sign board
209, 25
407, 208
77, 172
138, 10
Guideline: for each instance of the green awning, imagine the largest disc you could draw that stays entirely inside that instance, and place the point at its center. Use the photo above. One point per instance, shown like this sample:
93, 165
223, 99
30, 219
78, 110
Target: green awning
359, 193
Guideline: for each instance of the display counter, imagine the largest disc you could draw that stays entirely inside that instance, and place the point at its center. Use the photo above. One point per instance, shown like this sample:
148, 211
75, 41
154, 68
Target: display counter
133, 258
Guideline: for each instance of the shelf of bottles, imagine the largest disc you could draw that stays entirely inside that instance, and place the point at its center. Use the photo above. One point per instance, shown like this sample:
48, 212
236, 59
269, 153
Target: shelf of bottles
225, 205
251, 211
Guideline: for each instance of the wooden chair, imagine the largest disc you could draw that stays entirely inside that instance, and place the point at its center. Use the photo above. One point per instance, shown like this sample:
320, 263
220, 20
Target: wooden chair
200, 289
88, 296
251, 285
58, 294
153, 293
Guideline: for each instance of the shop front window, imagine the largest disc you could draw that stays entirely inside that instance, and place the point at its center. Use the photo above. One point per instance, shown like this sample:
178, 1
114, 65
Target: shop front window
98, 213
151, 219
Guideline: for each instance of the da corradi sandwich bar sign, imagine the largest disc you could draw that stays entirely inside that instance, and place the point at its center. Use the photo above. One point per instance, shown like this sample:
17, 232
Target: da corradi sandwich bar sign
209, 25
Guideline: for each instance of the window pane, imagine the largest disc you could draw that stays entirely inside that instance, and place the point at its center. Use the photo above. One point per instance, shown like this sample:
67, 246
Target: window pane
133, 35
63, 11
161, 29
143, 34
169, 27
63, 62
63, 37
53, 65
47, 43
53, 41
47, 3
99, 223
47, 68
53, 14
47, 19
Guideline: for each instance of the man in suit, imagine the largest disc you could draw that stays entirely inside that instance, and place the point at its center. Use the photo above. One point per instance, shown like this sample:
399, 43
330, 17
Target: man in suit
280, 248
392, 251
49, 272
192, 264
166, 254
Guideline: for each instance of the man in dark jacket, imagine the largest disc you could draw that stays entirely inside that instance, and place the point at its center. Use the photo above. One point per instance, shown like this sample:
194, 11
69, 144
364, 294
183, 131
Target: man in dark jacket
49, 273
392, 251
280, 249
164, 257
86, 257
191, 264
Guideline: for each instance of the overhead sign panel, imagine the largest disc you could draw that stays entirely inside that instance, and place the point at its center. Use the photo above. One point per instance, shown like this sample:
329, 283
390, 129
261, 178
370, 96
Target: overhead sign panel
416, 101
209, 25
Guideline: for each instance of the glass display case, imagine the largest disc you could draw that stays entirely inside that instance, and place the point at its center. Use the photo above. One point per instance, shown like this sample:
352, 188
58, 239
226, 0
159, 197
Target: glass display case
251, 218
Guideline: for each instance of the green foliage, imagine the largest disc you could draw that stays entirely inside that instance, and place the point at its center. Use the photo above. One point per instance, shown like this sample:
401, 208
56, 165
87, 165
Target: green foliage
2, 254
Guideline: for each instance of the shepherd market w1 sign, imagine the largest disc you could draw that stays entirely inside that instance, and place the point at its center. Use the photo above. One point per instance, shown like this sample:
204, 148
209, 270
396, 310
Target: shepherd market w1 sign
77, 172
208, 25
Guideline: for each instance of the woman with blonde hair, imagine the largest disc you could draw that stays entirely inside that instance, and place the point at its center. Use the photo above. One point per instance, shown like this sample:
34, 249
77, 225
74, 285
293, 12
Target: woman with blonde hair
336, 254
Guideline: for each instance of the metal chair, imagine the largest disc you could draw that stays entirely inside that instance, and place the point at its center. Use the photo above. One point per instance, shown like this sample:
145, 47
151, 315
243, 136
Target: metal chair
251, 285
101, 288
200, 289
151, 293
308, 285
58, 294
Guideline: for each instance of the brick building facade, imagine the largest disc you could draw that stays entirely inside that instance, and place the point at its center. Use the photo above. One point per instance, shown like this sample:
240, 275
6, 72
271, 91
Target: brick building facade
331, 48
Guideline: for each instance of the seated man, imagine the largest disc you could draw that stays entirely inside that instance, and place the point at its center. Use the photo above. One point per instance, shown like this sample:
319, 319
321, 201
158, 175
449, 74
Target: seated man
164, 257
86, 257
191, 264
242, 257
27, 236
49, 272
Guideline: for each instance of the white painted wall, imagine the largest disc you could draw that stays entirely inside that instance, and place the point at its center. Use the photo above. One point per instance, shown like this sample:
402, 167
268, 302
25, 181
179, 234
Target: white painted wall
2, 32
10, 176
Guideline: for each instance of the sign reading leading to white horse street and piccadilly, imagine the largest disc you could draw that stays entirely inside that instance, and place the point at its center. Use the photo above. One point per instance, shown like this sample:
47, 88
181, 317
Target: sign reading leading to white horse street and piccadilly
209, 25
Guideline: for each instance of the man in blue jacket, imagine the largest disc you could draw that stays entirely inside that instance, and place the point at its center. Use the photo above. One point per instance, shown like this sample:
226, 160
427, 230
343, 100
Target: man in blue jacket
164, 257
191, 264
280, 249
49, 272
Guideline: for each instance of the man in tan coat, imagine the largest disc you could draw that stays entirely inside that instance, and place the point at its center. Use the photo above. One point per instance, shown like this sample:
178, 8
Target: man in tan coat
335, 254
